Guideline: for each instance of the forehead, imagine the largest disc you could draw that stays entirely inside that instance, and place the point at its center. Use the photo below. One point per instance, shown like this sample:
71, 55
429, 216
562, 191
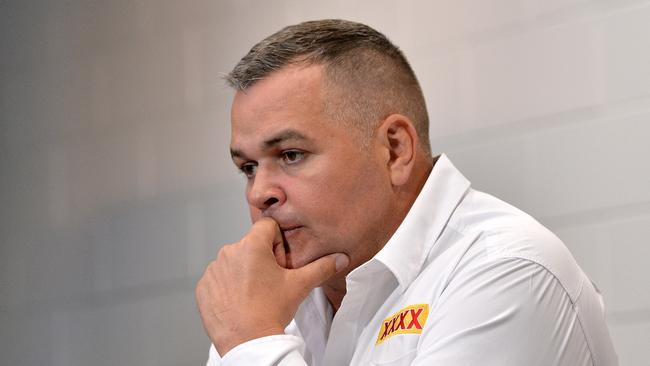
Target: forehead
289, 98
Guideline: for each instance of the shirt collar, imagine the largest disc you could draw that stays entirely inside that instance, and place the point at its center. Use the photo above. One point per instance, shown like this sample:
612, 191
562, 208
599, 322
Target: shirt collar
404, 254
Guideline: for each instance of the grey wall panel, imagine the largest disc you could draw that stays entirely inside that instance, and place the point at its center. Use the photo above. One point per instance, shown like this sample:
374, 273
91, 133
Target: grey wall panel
116, 186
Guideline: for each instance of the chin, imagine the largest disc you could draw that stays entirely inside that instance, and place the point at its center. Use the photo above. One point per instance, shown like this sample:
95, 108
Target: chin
304, 249
302, 254
299, 250
296, 259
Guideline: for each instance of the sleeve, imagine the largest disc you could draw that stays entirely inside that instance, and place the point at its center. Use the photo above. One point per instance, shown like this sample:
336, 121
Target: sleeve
283, 350
504, 313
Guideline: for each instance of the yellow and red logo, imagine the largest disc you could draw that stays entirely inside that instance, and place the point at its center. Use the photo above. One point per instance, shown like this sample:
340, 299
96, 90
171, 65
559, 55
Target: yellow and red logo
409, 320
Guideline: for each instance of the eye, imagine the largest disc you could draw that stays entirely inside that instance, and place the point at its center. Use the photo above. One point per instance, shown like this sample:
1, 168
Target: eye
292, 156
248, 169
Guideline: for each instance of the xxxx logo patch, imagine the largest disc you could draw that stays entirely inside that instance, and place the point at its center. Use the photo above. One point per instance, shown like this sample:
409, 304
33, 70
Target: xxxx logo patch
409, 320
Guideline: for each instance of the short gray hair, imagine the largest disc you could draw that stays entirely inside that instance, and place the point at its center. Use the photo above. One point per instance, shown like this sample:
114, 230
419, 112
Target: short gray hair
367, 76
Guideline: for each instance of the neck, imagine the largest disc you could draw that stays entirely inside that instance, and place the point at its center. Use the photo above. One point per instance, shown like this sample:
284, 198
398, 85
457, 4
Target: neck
335, 291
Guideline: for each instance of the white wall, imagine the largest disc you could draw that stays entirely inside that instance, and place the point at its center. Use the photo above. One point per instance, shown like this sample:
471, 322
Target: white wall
116, 187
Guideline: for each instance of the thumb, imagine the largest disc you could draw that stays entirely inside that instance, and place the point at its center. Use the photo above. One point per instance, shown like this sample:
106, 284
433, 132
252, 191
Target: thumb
315, 273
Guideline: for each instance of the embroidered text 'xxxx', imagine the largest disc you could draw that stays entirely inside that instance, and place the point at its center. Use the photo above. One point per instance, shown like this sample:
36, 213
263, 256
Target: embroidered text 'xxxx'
409, 320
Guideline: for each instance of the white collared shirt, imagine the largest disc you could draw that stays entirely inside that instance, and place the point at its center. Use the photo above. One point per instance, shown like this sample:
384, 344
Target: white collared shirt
465, 280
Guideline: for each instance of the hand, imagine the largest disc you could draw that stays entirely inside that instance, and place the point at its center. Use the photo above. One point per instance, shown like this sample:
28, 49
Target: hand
246, 293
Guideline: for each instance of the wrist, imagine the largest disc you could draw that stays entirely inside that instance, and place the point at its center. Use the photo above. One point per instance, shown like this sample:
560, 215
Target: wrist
225, 343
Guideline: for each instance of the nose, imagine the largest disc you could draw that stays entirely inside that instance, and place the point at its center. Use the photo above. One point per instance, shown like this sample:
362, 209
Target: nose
264, 191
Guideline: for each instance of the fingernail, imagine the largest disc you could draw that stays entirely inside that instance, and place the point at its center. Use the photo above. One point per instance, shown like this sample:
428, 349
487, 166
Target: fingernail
342, 261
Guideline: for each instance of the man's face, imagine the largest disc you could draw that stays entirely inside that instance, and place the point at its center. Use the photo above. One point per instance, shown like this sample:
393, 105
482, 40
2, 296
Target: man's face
312, 175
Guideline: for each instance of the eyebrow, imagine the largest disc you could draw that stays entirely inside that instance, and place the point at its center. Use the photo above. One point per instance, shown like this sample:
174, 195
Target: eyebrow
280, 137
283, 136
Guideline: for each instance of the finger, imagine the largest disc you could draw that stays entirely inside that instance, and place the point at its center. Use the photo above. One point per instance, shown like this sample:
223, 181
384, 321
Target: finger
280, 252
315, 273
266, 231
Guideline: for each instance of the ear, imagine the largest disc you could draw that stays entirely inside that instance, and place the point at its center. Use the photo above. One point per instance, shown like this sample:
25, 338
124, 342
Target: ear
398, 136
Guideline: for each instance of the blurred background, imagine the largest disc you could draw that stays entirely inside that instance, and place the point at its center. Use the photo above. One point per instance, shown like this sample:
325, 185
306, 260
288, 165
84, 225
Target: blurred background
116, 187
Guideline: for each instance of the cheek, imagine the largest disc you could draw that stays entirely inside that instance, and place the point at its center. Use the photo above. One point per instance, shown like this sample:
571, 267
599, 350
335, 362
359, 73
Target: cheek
337, 192
317, 202
335, 201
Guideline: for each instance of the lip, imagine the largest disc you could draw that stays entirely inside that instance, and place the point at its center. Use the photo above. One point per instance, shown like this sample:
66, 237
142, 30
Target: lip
290, 230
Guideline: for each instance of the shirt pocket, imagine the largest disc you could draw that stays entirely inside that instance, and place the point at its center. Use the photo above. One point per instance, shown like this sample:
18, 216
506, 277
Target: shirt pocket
400, 349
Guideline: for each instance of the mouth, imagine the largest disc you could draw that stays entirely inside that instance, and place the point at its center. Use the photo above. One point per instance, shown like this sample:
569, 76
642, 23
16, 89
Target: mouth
290, 231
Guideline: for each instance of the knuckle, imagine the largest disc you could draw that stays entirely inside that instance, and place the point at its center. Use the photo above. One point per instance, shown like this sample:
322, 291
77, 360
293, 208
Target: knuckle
245, 241
200, 291
211, 266
252, 237
224, 251
253, 240
210, 271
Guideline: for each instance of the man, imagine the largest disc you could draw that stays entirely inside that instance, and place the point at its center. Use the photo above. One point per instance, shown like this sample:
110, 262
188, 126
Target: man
380, 253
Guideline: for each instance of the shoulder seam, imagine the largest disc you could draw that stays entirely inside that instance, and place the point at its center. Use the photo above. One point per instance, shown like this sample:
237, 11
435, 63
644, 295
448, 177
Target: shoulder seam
573, 303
